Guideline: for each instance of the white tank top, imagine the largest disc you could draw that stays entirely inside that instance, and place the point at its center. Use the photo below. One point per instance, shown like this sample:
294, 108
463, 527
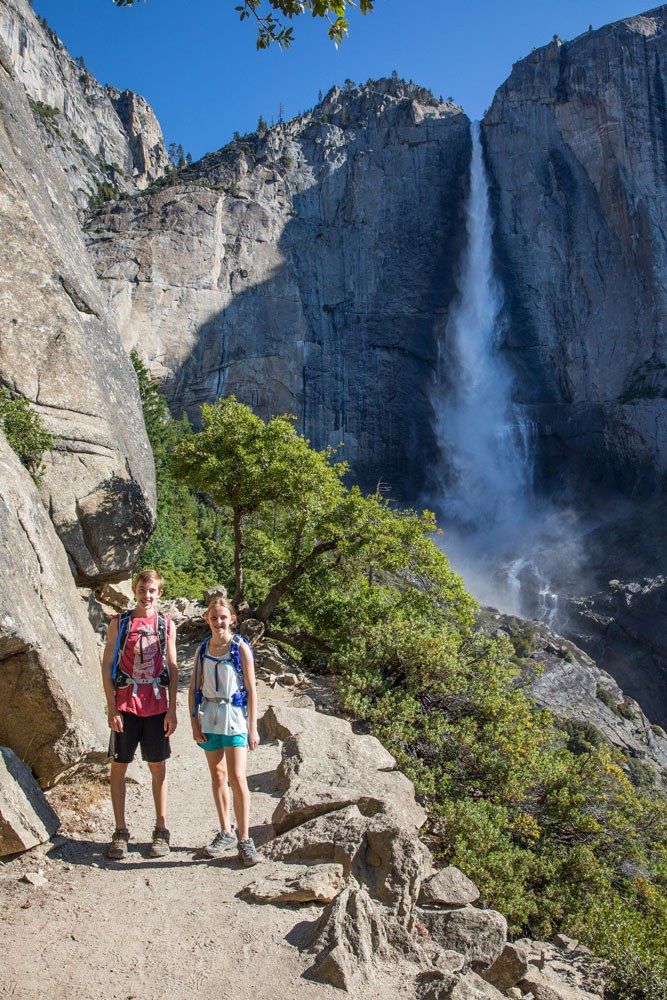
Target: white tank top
219, 683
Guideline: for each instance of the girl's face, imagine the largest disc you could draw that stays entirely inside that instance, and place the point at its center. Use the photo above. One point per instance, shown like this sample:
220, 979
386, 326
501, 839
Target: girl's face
220, 620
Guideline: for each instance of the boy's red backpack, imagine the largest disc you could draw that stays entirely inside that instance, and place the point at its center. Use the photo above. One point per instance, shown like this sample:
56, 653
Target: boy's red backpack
121, 679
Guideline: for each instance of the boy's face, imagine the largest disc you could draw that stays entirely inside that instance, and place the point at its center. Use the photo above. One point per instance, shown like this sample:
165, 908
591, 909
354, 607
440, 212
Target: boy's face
147, 594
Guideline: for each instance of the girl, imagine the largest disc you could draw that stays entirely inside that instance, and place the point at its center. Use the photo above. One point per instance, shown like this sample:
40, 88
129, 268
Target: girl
223, 710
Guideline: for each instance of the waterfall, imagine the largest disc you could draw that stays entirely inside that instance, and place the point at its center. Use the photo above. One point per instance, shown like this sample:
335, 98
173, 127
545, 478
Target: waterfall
486, 472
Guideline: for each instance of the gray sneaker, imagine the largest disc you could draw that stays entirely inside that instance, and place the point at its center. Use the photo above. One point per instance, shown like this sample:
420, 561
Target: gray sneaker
248, 853
160, 845
117, 849
221, 843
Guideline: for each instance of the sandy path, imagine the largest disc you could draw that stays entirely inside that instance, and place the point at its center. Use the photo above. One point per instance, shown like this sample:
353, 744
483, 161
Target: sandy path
167, 928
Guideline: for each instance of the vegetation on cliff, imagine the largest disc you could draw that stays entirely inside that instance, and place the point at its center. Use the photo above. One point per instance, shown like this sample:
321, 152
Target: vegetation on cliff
552, 829
25, 431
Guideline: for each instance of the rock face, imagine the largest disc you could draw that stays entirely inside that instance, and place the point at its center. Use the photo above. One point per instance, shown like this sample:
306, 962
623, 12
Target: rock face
571, 685
576, 143
307, 269
96, 135
51, 701
26, 818
59, 350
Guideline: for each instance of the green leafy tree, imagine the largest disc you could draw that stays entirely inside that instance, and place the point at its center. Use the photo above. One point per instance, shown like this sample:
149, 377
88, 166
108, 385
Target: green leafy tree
270, 17
25, 431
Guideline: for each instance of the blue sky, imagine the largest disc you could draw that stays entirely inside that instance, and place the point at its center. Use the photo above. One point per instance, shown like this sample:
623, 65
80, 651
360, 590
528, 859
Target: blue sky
198, 67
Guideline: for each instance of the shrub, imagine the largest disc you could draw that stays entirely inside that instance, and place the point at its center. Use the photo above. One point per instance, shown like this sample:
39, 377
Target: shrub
25, 432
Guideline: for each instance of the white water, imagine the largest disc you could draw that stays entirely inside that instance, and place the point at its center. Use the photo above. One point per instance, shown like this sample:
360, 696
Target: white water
485, 499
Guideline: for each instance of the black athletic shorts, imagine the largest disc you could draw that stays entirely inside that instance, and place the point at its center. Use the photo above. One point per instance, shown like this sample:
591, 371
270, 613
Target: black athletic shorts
144, 730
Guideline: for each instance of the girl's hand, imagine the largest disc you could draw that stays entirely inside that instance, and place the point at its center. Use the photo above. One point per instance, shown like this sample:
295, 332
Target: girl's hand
253, 739
197, 734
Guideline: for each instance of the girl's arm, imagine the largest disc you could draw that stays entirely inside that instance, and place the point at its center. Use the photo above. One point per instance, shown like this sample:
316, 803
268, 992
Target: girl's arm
197, 734
251, 688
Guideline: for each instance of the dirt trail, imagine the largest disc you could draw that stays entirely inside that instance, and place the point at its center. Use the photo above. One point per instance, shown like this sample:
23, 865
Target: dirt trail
168, 928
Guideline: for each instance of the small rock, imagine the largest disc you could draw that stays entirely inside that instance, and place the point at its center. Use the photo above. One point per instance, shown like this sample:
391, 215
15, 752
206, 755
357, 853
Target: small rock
448, 887
565, 943
211, 592
26, 905
35, 878
514, 992
289, 680
510, 966
298, 884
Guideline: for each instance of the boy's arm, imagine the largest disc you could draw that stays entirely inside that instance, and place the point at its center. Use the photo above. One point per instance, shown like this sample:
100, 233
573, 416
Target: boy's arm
114, 717
251, 688
170, 720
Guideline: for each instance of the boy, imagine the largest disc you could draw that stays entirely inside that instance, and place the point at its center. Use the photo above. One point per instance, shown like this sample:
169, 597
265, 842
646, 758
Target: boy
140, 690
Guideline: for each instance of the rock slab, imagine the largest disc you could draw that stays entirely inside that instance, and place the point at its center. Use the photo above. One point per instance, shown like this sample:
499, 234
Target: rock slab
26, 818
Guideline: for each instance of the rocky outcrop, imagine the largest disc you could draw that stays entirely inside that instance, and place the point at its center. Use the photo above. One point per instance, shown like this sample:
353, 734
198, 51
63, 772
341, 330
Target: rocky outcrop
101, 138
26, 818
576, 144
51, 701
564, 679
307, 269
60, 351
385, 905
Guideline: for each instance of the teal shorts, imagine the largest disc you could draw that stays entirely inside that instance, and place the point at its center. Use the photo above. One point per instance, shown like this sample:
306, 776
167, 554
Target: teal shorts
218, 741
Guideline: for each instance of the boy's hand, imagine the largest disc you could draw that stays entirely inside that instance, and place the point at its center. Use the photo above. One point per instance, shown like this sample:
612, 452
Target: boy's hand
170, 722
253, 739
115, 720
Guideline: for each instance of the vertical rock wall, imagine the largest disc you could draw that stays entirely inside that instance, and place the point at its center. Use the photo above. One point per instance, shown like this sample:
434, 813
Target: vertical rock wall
576, 141
307, 270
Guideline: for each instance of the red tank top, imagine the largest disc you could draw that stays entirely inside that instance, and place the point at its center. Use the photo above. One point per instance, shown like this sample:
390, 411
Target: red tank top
142, 661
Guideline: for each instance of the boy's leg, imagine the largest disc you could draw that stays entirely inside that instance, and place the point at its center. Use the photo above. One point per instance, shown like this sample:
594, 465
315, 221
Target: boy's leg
159, 780
218, 768
237, 758
118, 785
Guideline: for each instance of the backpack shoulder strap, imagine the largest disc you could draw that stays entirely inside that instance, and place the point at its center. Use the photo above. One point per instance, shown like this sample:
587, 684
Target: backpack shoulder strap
123, 632
162, 633
235, 652
199, 676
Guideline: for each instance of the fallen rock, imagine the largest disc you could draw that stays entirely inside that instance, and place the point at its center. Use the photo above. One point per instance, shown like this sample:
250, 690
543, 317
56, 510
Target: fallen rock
510, 966
546, 985
26, 818
298, 884
480, 935
335, 837
350, 939
35, 878
51, 701
448, 887
473, 987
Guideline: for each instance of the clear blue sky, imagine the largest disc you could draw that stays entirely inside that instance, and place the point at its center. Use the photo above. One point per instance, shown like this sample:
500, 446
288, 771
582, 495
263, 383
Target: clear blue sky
198, 67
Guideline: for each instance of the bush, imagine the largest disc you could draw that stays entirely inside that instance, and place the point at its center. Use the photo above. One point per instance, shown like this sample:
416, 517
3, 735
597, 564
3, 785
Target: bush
25, 432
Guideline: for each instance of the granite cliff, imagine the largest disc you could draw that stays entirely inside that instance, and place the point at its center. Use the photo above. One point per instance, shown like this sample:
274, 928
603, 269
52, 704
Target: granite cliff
103, 140
306, 269
576, 143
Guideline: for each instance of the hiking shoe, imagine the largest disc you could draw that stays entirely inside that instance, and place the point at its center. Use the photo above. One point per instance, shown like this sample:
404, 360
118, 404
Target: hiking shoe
160, 845
248, 853
221, 842
117, 849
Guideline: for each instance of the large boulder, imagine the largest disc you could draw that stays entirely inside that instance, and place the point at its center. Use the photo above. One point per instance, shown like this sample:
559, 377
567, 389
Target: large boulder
26, 818
51, 702
448, 887
349, 940
478, 934
60, 351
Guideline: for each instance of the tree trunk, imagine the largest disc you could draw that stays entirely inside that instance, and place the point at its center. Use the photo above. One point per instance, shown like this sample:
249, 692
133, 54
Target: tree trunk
264, 610
238, 556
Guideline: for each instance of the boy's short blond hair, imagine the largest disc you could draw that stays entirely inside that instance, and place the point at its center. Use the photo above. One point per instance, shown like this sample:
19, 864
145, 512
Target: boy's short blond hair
147, 576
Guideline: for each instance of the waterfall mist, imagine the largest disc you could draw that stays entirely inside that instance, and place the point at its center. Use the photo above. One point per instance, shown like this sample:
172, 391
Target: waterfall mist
485, 498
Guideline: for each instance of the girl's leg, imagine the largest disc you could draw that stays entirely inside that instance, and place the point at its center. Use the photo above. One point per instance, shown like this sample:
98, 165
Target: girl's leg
236, 764
218, 768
